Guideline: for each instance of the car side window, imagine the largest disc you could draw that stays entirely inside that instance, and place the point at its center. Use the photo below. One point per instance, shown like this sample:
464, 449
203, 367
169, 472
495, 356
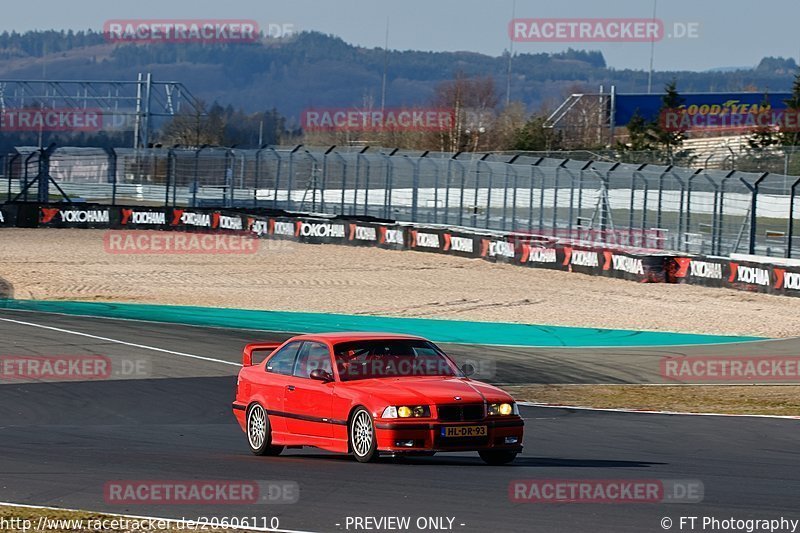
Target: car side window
312, 356
283, 360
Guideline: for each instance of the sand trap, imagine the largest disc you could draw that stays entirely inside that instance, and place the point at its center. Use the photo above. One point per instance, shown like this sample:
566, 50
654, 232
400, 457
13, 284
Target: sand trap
73, 265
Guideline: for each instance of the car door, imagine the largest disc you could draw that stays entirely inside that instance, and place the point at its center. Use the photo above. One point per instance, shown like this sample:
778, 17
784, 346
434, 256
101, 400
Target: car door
271, 383
308, 402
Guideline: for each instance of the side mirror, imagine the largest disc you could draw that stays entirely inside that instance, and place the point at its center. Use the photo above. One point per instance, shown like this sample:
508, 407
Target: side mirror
467, 369
319, 374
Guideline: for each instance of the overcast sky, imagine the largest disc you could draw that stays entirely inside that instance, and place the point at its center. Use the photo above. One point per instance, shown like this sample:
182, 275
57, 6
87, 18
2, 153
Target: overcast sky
730, 32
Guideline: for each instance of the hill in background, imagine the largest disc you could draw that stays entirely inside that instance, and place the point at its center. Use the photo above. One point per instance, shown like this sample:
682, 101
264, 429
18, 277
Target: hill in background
312, 69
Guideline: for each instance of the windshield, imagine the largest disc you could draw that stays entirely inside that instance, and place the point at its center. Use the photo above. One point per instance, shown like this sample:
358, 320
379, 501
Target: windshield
391, 358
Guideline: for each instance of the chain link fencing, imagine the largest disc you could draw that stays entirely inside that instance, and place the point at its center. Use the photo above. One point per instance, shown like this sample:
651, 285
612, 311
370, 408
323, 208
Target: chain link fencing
639, 205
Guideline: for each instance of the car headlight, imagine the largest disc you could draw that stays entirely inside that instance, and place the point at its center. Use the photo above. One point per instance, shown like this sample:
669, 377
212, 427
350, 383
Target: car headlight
407, 411
503, 409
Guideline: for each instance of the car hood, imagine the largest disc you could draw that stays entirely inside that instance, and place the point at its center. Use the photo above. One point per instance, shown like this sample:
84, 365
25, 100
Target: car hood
428, 390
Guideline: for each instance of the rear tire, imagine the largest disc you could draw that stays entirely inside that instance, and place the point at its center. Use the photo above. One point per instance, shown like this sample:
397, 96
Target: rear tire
497, 457
259, 432
363, 441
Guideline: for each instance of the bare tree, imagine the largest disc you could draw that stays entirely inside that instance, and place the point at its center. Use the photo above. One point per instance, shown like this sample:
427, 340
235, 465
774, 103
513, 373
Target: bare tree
195, 128
473, 102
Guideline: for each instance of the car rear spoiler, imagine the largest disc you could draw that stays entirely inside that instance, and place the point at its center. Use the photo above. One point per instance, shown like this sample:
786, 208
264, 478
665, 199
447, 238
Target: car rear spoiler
247, 353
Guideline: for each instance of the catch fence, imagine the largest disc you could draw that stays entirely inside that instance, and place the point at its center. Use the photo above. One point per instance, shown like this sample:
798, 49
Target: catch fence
706, 211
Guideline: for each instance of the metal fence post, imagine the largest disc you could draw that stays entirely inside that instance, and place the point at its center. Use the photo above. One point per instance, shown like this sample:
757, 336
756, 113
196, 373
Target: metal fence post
196, 172
637, 174
229, 188
10, 172
571, 215
366, 185
291, 176
462, 172
689, 202
3, 165
324, 177
112, 173
489, 185
513, 169
387, 192
561, 166
714, 220
344, 180
43, 175
25, 176
661, 194
790, 229
534, 170
277, 177
171, 164
414, 186
436, 168
722, 184
257, 173
753, 206
681, 235
474, 216
359, 155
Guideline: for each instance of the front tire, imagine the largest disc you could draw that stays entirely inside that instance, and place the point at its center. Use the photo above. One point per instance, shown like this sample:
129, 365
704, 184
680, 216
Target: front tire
363, 441
259, 432
497, 457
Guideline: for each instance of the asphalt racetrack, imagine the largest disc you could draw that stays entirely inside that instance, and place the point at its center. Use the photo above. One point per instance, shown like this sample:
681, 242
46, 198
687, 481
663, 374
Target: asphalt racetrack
62, 442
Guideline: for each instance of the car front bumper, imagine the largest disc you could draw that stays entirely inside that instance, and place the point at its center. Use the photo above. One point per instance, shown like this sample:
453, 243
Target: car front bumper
414, 436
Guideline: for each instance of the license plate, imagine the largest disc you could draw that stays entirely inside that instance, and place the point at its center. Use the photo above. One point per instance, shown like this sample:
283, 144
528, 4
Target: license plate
464, 431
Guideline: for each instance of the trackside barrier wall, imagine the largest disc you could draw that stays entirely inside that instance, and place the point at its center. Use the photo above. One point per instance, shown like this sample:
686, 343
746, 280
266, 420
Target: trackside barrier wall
735, 274
535, 251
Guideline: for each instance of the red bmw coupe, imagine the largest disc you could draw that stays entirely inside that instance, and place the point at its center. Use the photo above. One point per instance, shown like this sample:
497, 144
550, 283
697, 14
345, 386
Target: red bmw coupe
370, 394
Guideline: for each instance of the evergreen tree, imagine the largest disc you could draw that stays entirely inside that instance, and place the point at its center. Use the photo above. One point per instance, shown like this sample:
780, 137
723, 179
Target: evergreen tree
791, 136
763, 138
668, 139
535, 137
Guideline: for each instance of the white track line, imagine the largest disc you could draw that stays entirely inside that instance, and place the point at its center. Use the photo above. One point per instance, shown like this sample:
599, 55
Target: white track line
647, 412
116, 341
529, 404
136, 517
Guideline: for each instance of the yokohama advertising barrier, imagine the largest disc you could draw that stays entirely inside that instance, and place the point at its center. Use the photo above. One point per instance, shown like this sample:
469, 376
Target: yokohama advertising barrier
74, 216
186, 219
736, 274
142, 218
8, 215
321, 231
649, 268
512, 248
542, 255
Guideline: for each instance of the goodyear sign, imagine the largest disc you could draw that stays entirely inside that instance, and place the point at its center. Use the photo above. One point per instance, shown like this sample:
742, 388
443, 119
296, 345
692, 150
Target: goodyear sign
699, 104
